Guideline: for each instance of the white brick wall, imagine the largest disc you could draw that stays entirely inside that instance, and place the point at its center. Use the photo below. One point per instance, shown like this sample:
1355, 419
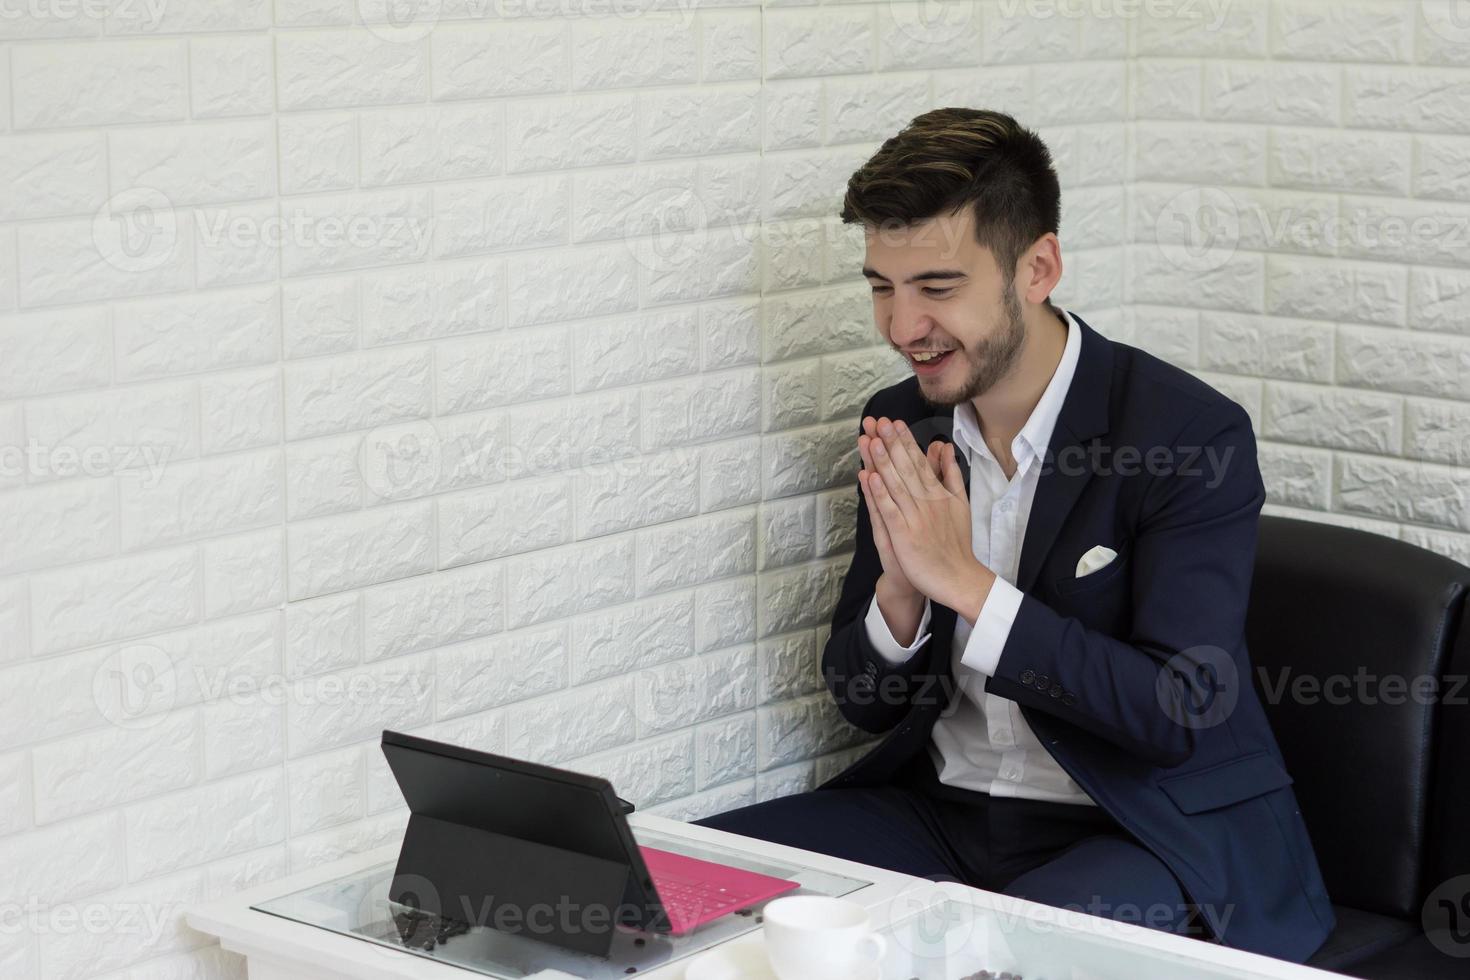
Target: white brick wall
1303, 168
495, 379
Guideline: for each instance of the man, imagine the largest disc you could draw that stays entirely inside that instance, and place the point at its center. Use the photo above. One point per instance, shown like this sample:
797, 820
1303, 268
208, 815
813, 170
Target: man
1046, 603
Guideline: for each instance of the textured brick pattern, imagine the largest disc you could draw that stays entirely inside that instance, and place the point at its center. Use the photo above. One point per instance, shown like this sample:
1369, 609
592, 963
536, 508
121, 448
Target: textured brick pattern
494, 376
1300, 231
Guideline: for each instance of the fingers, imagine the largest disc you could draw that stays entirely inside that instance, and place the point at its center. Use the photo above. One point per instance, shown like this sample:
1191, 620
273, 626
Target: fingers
870, 489
901, 449
866, 442
870, 466
889, 513
890, 485
864, 450
901, 479
882, 540
875, 518
953, 481
917, 457
880, 464
901, 443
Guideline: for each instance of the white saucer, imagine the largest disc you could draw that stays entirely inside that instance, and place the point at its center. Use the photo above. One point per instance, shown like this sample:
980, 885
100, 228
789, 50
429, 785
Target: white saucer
739, 959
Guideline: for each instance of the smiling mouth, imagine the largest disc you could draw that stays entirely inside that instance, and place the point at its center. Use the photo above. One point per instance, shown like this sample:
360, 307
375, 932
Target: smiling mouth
932, 364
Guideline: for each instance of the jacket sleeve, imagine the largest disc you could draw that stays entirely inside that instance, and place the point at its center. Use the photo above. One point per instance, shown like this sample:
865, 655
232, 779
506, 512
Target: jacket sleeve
871, 691
1193, 554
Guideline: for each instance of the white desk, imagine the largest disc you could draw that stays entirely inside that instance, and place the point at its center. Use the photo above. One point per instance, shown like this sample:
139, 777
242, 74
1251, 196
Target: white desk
937, 931
279, 949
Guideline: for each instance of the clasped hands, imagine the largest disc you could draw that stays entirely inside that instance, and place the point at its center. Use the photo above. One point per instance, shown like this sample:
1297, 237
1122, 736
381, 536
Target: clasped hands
920, 515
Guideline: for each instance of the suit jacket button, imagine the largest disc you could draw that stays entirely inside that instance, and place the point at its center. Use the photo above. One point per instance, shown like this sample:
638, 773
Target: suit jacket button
1028, 675
862, 684
1069, 699
1056, 692
1042, 682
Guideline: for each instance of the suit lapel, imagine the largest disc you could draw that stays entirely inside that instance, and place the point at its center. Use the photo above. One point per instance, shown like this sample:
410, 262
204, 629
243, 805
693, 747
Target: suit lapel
1066, 466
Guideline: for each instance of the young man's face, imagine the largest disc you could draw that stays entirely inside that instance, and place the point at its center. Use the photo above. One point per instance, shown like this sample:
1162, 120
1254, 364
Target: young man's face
936, 289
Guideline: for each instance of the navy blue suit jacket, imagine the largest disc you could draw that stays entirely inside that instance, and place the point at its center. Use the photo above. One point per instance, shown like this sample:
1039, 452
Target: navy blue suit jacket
1136, 677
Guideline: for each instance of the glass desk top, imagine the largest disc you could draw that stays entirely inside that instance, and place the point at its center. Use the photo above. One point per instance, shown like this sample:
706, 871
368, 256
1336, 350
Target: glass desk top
357, 905
951, 939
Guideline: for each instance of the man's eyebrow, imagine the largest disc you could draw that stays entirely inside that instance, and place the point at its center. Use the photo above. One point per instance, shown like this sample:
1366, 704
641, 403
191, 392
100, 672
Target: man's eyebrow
872, 273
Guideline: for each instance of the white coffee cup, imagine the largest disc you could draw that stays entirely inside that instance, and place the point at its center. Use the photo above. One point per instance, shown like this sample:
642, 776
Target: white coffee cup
813, 937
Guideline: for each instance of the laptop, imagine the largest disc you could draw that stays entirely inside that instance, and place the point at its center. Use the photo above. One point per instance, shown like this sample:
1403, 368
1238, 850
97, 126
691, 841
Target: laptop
549, 808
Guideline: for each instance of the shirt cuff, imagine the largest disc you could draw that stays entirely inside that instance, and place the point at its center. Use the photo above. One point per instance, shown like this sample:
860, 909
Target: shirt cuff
882, 637
992, 627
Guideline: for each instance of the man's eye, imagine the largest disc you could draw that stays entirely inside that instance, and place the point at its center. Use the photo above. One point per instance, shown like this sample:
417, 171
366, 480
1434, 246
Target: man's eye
928, 290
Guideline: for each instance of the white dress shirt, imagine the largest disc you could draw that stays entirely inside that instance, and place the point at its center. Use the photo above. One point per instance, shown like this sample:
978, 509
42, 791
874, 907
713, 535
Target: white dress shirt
981, 742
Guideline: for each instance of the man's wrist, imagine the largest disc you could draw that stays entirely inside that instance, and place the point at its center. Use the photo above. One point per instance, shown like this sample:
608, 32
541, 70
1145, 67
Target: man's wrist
902, 611
887, 594
974, 590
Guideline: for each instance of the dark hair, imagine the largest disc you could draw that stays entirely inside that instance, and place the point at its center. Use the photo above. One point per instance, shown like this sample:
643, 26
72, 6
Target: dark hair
947, 158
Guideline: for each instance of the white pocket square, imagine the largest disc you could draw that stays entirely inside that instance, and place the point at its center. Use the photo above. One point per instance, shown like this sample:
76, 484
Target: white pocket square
1097, 556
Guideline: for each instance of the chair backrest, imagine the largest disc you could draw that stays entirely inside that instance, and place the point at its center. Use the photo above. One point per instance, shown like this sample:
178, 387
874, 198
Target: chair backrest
1449, 823
1351, 636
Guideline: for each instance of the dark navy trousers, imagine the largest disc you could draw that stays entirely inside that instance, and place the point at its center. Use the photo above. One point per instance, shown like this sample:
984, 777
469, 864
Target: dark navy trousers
1058, 854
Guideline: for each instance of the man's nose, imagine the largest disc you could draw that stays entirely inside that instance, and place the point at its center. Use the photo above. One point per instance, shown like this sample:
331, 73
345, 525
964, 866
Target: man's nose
908, 323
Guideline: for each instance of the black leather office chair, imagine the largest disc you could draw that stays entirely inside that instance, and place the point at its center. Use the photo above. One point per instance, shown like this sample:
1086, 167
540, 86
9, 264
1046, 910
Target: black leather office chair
1384, 787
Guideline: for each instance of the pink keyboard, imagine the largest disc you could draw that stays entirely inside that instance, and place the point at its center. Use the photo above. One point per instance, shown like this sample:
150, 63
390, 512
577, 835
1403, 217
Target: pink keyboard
694, 892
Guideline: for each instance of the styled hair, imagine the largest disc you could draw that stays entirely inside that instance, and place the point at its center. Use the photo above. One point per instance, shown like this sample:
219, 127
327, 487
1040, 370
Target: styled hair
948, 158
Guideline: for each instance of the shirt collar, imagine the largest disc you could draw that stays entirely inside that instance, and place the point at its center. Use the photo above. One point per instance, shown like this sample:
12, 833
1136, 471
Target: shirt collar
1035, 435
